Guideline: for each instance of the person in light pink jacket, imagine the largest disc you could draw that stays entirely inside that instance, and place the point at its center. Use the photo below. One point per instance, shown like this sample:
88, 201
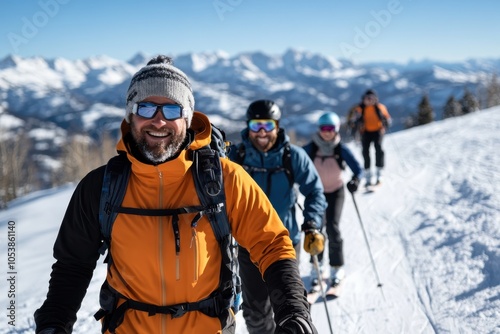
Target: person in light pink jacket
330, 156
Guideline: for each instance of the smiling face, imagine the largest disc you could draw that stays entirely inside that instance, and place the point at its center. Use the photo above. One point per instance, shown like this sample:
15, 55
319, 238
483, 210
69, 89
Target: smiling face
158, 139
327, 134
262, 140
369, 100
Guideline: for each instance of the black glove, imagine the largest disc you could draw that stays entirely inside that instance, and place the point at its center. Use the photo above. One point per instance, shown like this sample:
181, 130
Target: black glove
310, 225
352, 185
288, 297
295, 324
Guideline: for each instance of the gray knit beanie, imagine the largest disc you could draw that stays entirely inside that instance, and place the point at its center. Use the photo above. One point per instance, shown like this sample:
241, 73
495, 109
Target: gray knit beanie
161, 78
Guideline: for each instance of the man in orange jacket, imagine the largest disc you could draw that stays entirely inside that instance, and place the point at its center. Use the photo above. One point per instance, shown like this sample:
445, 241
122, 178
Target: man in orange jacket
373, 119
160, 262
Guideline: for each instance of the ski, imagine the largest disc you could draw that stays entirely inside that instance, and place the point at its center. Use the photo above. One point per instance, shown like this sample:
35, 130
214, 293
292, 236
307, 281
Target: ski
314, 293
372, 188
333, 291
312, 297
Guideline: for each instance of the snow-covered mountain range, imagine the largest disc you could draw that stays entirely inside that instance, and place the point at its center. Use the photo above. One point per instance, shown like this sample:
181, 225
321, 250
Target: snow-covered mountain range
91, 92
61, 95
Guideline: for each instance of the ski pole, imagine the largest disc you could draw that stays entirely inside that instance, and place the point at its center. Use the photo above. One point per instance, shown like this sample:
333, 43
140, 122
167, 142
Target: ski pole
379, 284
316, 266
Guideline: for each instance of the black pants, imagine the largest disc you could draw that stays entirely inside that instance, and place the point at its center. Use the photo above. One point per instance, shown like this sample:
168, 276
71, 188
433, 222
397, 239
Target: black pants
335, 201
257, 308
375, 137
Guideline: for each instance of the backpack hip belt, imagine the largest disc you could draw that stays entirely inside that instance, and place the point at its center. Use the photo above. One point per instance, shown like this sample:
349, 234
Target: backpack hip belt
113, 317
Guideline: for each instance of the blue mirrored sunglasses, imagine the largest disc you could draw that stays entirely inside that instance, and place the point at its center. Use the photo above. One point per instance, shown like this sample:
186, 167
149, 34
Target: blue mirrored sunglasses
256, 124
148, 110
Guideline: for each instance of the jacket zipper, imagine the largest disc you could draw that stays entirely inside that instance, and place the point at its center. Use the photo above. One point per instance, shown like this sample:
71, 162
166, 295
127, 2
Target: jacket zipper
194, 245
175, 225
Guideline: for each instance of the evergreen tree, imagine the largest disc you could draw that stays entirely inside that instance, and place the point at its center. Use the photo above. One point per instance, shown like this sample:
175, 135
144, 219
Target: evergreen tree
425, 113
469, 102
452, 108
493, 92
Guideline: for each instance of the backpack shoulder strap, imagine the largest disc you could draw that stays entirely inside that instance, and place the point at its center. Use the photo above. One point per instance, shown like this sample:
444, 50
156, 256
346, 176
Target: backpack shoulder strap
218, 141
381, 116
337, 153
287, 164
207, 175
312, 151
113, 190
240, 154
208, 179
360, 119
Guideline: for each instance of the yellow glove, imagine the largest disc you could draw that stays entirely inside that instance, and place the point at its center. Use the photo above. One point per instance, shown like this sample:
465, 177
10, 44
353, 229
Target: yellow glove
314, 242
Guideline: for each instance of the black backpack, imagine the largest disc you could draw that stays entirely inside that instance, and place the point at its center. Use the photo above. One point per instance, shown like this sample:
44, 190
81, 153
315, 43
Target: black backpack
337, 154
207, 175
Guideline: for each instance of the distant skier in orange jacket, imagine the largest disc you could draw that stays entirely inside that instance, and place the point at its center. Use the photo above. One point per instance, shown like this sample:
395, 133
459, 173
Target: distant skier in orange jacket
373, 119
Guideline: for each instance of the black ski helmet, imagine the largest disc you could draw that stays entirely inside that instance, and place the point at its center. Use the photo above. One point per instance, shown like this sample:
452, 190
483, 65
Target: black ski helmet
263, 109
370, 92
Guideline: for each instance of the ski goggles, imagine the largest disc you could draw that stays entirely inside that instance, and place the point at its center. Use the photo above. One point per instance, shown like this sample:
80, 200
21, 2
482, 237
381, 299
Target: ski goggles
327, 128
256, 124
148, 110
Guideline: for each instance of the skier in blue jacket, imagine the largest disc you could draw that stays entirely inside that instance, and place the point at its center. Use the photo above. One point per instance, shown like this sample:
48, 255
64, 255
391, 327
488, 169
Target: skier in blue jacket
277, 166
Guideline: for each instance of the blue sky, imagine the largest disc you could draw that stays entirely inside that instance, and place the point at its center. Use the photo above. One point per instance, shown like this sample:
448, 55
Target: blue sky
363, 31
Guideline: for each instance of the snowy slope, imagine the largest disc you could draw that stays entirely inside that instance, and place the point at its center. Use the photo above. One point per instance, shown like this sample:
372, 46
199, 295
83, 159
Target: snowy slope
433, 229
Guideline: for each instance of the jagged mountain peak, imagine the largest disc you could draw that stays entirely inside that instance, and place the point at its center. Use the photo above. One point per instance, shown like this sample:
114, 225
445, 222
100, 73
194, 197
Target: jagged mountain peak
9, 61
139, 59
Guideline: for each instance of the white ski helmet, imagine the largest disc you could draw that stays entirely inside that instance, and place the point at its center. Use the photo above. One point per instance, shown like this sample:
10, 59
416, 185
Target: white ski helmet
330, 118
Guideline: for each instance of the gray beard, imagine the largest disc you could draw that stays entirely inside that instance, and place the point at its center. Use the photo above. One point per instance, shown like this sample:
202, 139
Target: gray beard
159, 153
